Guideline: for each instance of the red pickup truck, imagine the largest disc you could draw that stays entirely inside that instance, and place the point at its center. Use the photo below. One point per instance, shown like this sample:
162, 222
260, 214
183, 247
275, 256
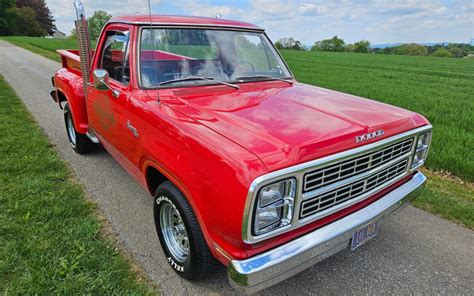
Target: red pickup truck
246, 165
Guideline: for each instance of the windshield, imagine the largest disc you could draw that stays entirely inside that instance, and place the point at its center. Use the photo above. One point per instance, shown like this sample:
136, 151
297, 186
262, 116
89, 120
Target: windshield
173, 56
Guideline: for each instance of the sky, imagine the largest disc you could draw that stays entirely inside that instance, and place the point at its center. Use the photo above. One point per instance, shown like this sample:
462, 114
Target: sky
379, 21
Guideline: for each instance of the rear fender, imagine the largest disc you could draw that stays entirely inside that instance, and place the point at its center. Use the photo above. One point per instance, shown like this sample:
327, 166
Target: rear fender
69, 88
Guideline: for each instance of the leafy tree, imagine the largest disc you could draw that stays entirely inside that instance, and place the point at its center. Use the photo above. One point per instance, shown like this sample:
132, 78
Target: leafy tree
279, 45
388, 50
333, 44
433, 48
362, 46
456, 52
410, 49
96, 22
376, 50
6, 16
42, 14
289, 43
442, 53
297, 45
465, 47
23, 22
349, 48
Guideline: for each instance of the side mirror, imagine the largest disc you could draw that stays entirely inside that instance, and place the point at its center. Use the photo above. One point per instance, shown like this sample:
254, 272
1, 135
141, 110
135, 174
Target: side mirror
101, 81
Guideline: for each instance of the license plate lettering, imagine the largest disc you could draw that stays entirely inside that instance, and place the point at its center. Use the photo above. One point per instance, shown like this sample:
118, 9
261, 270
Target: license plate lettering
362, 235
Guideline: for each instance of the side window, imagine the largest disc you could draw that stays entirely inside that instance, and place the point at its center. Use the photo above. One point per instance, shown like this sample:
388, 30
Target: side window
115, 56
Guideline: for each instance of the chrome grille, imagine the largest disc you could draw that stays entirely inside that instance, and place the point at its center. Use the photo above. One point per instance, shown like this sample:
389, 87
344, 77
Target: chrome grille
348, 192
333, 173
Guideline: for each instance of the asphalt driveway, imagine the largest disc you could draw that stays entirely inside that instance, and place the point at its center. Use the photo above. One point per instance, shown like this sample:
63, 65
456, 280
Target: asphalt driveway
415, 253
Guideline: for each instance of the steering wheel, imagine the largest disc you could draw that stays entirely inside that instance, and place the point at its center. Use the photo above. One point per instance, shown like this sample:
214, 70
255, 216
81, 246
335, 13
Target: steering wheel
243, 62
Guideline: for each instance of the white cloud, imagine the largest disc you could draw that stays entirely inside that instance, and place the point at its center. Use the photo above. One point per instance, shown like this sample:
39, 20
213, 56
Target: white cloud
379, 21
199, 9
308, 9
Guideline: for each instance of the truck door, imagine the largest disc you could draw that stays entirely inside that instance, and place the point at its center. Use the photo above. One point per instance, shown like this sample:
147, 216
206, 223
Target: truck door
107, 110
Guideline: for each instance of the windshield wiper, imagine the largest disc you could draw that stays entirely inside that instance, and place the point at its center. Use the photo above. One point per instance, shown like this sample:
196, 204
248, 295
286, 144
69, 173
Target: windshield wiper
191, 78
265, 76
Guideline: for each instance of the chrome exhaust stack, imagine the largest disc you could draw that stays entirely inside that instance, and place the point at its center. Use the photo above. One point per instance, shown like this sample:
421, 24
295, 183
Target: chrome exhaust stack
83, 42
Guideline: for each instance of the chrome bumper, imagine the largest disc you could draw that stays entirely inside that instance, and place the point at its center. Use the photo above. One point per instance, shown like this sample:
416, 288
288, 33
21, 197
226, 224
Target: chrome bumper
264, 270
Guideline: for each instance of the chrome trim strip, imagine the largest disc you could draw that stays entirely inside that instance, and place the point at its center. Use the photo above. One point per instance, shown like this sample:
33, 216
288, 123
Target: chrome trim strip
298, 172
266, 269
192, 25
420, 164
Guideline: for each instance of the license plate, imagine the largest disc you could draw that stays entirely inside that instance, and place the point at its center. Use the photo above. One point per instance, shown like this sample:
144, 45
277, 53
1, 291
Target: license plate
362, 235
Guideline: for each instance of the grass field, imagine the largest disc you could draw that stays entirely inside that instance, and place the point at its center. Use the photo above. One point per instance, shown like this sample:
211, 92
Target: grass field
44, 46
441, 89
50, 236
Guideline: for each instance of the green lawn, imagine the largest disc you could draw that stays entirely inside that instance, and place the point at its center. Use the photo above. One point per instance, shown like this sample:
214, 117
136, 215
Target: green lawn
44, 46
441, 89
50, 236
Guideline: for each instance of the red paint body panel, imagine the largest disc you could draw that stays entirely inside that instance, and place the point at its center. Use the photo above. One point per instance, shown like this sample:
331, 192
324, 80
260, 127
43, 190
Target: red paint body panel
68, 81
213, 141
288, 124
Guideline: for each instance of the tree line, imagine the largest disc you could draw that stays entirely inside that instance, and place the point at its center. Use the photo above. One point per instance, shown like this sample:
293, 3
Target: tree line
26, 18
336, 44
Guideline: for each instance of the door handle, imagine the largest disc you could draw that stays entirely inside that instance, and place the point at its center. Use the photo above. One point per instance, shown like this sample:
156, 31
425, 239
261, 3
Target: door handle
133, 129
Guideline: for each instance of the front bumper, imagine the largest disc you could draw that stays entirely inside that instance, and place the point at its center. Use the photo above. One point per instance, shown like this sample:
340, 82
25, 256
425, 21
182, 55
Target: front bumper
264, 270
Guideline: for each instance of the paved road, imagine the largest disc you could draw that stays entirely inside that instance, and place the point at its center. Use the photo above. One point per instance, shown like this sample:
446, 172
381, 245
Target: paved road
415, 253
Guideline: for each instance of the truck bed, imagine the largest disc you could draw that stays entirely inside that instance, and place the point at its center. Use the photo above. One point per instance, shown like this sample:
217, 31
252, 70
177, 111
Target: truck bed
70, 59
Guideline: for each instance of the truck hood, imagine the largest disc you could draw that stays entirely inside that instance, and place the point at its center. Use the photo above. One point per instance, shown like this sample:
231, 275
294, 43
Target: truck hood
286, 124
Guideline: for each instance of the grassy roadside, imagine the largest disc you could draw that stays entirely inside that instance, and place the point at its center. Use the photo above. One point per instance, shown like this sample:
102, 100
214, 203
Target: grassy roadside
406, 81
448, 197
50, 236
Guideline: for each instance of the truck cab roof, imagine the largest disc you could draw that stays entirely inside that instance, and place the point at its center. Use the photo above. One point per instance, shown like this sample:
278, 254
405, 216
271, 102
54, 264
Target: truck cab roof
169, 20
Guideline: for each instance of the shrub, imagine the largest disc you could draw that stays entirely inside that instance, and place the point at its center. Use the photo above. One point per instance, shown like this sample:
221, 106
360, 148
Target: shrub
411, 49
362, 46
456, 52
442, 53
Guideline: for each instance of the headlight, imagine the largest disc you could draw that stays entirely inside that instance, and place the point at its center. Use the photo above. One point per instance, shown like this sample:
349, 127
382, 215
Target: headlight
274, 206
421, 151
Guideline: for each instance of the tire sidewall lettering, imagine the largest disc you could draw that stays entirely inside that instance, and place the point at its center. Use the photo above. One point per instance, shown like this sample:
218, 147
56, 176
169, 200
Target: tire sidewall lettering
175, 265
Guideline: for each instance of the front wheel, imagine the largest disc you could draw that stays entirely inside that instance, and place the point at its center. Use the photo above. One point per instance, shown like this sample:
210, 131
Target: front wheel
180, 235
79, 142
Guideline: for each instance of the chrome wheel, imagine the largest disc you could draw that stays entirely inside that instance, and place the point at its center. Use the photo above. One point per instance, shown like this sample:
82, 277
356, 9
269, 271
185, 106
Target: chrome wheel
174, 232
70, 129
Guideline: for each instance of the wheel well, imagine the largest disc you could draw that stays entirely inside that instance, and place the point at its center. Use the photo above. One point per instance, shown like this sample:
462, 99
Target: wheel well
61, 99
61, 96
153, 179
